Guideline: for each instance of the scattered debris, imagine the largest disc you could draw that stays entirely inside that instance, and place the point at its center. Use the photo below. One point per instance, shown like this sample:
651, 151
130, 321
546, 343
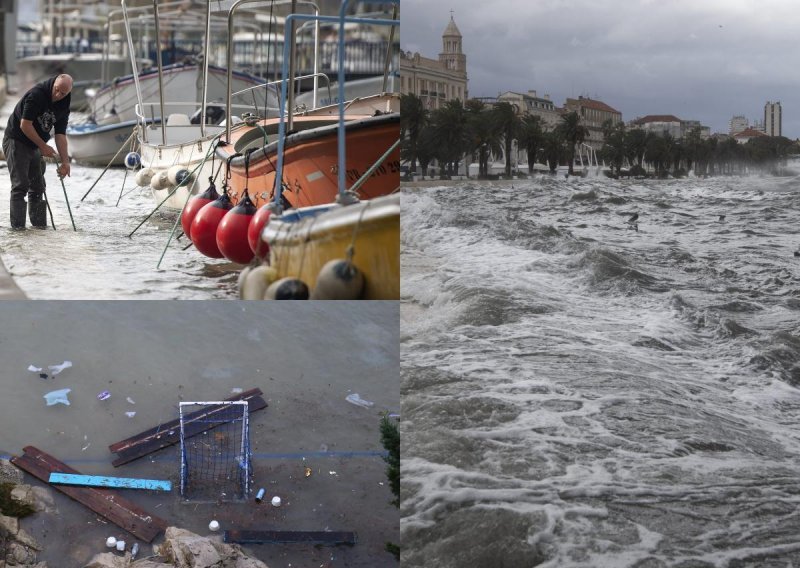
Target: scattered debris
134, 550
33, 369
237, 390
56, 369
260, 495
308, 472
130, 400
213, 526
43, 376
358, 401
57, 397
111, 542
130, 414
105, 395
276, 501
120, 546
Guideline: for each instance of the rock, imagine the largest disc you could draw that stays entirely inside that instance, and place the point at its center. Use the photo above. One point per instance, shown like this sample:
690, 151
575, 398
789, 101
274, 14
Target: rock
19, 554
9, 473
9, 526
188, 550
148, 563
110, 560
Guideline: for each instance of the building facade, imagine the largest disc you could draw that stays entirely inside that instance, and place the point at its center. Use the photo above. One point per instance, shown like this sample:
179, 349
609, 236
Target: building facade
667, 123
593, 114
746, 135
531, 104
772, 118
437, 81
738, 124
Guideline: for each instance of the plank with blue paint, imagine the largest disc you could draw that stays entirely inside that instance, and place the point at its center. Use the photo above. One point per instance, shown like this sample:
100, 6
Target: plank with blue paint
104, 481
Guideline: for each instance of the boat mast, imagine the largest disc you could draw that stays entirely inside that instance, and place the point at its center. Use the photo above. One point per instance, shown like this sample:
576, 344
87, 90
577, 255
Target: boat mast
160, 76
205, 69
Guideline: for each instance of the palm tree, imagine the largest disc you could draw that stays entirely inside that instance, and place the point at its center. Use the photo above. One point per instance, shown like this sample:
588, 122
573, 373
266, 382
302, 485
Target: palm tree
451, 134
574, 133
531, 137
553, 148
413, 117
635, 146
484, 133
613, 148
508, 122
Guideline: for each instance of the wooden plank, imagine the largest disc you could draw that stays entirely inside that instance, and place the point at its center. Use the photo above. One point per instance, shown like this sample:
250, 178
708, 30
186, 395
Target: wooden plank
103, 481
161, 429
171, 434
105, 502
285, 537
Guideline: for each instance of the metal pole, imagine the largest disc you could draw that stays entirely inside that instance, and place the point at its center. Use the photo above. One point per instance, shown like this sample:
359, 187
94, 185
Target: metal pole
160, 76
205, 69
61, 179
134, 67
389, 52
292, 63
316, 59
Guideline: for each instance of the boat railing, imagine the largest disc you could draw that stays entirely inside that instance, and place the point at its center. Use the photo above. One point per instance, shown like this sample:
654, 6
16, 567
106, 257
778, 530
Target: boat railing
280, 82
143, 119
342, 19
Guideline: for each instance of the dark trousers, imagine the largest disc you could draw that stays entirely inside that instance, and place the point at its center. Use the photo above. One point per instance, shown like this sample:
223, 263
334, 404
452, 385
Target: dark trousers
26, 167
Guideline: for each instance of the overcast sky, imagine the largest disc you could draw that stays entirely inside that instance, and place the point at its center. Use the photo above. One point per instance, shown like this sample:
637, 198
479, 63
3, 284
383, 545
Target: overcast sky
703, 60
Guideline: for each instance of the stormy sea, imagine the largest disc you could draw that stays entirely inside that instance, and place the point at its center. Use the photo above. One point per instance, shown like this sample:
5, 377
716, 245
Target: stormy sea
583, 391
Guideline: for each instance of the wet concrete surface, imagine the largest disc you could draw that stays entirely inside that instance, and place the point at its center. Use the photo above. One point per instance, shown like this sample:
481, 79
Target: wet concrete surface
306, 357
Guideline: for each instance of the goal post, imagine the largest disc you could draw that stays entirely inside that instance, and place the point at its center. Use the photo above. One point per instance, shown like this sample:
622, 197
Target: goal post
216, 461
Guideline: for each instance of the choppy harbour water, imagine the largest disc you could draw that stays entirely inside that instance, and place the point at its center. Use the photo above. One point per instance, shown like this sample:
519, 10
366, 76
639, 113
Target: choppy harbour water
576, 393
99, 261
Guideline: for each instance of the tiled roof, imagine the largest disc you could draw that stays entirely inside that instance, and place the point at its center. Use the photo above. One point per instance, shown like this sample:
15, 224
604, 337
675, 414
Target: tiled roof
596, 105
748, 133
657, 118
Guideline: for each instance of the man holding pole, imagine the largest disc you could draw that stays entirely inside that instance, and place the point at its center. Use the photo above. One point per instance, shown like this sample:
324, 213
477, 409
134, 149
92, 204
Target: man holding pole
43, 107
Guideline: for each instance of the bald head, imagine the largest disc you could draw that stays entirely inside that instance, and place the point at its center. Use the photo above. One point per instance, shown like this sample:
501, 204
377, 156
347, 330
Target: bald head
61, 87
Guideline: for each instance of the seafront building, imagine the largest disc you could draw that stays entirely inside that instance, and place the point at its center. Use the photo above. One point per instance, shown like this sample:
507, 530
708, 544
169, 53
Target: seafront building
593, 114
772, 118
531, 104
436, 81
737, 124
670, 124
747, 134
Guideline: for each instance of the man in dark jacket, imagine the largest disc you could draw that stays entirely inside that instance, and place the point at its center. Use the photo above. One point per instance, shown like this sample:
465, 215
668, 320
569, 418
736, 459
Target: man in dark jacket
44, 107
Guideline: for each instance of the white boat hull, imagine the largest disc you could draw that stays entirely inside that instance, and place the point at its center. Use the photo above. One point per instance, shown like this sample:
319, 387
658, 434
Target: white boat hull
186, 148
96, 145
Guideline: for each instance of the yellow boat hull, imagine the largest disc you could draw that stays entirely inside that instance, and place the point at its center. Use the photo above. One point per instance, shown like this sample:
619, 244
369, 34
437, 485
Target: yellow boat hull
300, 249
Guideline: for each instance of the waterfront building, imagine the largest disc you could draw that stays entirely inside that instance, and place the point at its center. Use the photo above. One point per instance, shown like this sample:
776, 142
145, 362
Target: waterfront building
531, 104
772, 118
667, 123
437, 81
737, 124
593, 114
746, 135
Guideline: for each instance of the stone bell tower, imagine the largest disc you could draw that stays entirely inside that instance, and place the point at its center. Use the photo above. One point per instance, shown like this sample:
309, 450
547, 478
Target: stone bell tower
452, 56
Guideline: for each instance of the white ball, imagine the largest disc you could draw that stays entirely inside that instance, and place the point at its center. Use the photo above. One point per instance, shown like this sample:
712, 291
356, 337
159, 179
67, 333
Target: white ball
276, 501
111, 542
213, 526
144, 176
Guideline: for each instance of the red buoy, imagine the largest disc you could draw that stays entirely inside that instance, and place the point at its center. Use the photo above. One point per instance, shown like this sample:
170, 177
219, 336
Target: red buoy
260, 219
195, 204
203, 230
232, 232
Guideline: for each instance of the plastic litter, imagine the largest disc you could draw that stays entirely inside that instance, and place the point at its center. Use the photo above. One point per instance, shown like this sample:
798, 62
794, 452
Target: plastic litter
358, 401
134, 550
56, 369
105, 395
237, 390
308, 472
121, 545
131, 401
111, 542
33, 369
213, 526
57, 397
276, 501
130, 414
260, 495
43, 375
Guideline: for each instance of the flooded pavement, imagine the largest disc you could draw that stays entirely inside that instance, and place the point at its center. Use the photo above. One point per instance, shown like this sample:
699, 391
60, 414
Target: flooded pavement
305, 357
99, 260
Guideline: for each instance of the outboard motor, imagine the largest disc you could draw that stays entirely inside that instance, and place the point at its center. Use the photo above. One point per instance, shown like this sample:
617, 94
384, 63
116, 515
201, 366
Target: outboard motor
214, 115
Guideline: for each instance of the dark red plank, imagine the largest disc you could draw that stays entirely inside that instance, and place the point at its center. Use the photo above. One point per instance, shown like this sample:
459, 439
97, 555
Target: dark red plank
105, 502
172, 434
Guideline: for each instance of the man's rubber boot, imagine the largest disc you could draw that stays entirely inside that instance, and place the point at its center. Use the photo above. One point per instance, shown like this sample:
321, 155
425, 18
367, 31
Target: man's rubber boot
18, 212
38, 213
